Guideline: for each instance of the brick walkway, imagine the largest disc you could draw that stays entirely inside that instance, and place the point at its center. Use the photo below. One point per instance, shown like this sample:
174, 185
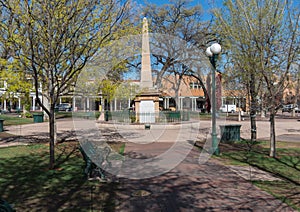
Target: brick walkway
194, 187
188, 187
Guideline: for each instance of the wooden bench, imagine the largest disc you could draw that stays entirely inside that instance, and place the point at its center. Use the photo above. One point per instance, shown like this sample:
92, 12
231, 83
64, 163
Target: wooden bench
94, 157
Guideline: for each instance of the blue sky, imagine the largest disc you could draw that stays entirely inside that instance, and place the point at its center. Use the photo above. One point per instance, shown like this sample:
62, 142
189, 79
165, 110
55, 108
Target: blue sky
206, 4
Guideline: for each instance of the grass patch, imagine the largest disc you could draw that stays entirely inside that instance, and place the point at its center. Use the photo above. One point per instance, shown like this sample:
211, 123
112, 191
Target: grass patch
15, 120
28, 184
285, 166
285, 191
122, 149
280, 144
18, 151
91, 114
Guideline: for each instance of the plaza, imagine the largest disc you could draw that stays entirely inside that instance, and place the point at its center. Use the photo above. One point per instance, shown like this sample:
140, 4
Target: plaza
188, 186
131, 106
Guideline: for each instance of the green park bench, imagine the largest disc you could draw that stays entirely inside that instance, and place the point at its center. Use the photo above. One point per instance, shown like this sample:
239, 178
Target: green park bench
92, 156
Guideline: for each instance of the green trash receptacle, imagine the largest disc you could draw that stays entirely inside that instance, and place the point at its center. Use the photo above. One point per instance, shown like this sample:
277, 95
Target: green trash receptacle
1, 125
230, 133
38, 117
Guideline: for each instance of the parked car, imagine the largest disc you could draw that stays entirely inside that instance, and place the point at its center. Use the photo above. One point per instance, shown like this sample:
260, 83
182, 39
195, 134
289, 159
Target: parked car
228, 108
287, 108
297, 109
63, 107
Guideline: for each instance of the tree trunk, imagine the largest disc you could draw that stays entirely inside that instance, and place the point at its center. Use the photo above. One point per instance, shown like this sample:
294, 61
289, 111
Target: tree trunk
253, 126
52, 130
272, 135
253, 108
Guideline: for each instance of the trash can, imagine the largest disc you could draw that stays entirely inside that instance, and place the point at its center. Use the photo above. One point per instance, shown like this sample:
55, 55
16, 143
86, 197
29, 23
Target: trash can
147, 126
230, 133
1, 125
38, 117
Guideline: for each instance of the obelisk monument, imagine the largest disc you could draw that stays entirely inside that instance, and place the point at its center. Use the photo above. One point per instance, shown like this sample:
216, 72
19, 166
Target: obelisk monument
146, 102
146, 74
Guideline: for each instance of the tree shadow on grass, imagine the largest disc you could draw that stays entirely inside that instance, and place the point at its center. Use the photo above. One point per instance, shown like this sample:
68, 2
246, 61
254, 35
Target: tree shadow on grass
28, 184
285, 166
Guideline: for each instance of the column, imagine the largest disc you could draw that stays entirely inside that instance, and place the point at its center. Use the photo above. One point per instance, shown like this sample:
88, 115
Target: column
74, 104
33, 103
168, 103
180, 103
84, 105
101, 103
193, 103
88, 103
4, 105
19, 103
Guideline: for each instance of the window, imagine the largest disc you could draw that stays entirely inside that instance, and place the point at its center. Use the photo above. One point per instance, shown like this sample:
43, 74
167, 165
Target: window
195, 85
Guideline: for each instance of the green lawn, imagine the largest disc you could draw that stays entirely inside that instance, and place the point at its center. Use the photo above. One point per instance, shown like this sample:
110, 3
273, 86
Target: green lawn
92, 114
285, 166
28, 184
15, 120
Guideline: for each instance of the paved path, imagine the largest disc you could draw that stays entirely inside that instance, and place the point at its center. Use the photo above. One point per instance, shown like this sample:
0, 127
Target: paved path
194, 187
37, 132
286, 129
190, 186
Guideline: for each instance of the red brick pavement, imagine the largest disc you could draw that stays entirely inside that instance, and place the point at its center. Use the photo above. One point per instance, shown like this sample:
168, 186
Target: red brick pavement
193, 187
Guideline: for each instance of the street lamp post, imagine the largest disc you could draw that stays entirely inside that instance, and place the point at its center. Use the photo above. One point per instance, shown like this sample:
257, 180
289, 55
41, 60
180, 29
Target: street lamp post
212, 52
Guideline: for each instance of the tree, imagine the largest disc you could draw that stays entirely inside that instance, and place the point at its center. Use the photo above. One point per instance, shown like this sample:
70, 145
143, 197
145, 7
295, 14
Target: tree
55, 39
262, 38
17, 83
296, 78
11, 72
181, 22
108, 89
241, 56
